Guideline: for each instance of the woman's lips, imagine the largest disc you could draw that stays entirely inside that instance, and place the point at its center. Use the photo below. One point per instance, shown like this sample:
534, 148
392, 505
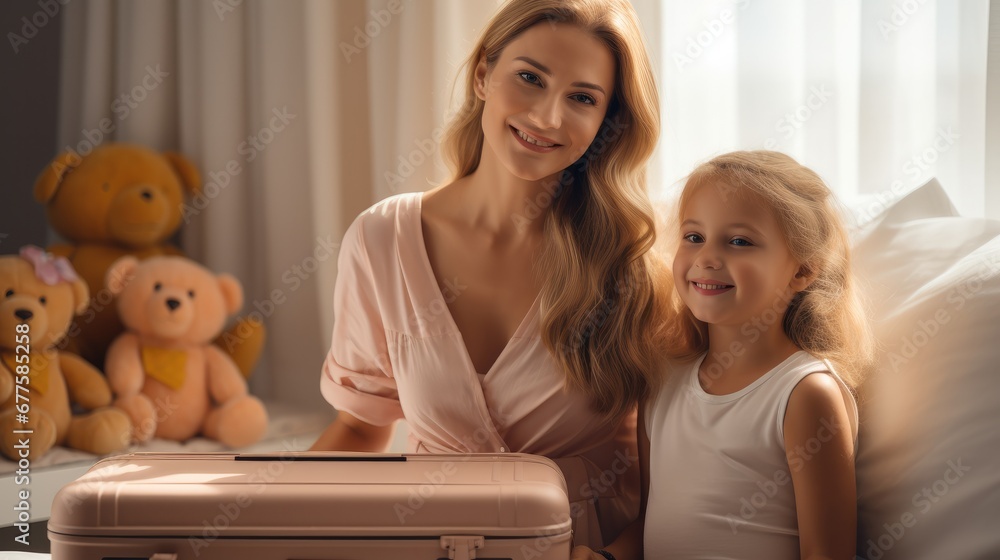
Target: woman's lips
529, 145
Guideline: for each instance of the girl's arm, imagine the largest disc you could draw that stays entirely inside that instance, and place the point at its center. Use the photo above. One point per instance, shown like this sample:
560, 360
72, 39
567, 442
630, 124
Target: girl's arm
628, 545
819, 446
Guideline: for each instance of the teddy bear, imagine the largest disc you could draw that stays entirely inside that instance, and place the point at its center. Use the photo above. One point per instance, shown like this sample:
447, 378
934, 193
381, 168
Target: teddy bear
164, 370
123, 199
40, 295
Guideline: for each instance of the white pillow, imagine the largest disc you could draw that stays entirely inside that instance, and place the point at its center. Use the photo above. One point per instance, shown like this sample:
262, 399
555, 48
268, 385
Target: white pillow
929, 457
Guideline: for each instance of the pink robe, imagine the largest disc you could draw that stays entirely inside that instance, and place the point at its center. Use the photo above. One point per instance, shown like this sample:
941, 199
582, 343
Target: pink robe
397, 354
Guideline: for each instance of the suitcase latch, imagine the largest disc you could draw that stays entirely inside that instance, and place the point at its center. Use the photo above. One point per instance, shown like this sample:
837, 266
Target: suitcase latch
462, 547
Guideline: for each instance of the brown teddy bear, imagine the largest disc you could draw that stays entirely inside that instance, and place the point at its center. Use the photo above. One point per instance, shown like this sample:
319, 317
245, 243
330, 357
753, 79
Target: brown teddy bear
40, 295
163, 370
120, 200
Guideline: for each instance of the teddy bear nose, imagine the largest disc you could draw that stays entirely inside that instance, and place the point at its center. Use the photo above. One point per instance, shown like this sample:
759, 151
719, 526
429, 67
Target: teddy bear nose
24, 314
147, 195
173, 304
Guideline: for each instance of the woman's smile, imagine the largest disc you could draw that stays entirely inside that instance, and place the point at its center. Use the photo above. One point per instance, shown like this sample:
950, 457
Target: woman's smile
533, 143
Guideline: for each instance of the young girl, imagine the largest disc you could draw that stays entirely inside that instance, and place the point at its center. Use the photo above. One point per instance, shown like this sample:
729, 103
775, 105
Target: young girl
513, 309
749, 455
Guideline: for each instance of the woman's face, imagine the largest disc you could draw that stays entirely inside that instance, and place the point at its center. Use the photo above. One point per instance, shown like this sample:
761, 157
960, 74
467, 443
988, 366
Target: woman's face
546, 97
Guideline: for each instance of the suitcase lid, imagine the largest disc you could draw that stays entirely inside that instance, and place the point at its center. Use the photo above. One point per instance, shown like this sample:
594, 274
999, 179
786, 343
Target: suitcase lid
315, 494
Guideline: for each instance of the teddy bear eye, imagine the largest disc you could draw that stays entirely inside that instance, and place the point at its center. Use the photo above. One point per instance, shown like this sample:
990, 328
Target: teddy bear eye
9, 293
157, 286
106, 187
191, 294
42, 300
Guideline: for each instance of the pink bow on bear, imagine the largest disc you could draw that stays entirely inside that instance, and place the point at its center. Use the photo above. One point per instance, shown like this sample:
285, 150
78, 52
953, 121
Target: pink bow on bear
49, 269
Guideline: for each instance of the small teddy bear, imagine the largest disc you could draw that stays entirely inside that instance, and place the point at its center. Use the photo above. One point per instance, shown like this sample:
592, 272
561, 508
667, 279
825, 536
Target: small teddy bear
164, 370
39, 295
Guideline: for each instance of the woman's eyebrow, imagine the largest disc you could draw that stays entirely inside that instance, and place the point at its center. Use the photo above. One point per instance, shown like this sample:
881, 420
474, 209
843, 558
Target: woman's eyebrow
545, 70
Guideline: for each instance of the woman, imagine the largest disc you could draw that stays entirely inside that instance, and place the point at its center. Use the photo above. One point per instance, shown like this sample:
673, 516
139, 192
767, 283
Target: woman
515, 308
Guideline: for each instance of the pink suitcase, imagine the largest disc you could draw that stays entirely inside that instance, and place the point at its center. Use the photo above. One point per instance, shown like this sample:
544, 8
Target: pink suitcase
313, 506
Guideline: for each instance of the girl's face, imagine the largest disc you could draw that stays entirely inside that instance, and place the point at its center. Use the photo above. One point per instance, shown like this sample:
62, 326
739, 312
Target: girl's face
733, 267
546, 97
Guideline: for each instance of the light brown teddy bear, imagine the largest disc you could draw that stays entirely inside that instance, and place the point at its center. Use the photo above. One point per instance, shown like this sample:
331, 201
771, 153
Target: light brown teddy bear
164, 370
40, 295
120, 200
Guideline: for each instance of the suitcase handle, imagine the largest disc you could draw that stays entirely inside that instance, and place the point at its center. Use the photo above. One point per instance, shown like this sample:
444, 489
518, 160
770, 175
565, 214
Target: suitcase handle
462, 547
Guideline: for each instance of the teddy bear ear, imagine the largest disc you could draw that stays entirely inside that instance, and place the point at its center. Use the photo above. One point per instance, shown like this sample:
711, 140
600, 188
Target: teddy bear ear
186, 170
232, 292
81, 296
120, 274
51, 177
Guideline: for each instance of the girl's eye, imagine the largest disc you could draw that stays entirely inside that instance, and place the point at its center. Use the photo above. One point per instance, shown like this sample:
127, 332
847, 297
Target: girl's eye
585, 99
530, 78
740, 242
692, 238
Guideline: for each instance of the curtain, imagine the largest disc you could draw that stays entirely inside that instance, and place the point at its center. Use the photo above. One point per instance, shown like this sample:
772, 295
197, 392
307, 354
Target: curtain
876, 96
301, 113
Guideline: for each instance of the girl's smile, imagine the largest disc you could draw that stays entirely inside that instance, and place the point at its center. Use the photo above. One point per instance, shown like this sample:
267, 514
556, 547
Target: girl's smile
710, 287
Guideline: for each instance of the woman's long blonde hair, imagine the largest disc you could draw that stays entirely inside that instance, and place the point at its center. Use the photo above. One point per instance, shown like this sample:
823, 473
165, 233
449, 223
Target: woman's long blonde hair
603, 297
827, 319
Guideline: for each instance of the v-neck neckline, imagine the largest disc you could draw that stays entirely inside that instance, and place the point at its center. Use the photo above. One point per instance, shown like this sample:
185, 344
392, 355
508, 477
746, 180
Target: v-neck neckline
425, 257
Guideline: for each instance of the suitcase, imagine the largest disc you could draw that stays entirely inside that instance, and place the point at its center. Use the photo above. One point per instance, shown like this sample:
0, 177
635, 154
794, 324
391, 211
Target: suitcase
313, 506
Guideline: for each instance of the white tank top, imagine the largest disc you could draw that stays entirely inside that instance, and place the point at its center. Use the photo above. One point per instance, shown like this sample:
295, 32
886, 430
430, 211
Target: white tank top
719, 482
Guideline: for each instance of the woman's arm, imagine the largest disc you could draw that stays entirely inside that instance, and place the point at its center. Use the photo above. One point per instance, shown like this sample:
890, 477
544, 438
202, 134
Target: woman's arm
820, 450
628, 545
347, 433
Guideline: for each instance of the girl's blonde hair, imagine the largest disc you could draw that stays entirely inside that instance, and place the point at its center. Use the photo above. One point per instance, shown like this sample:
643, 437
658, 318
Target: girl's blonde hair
604, 294
827, 319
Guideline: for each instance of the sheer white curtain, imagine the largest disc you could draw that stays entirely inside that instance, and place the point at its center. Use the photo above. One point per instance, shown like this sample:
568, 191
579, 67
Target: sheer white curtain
877, 95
